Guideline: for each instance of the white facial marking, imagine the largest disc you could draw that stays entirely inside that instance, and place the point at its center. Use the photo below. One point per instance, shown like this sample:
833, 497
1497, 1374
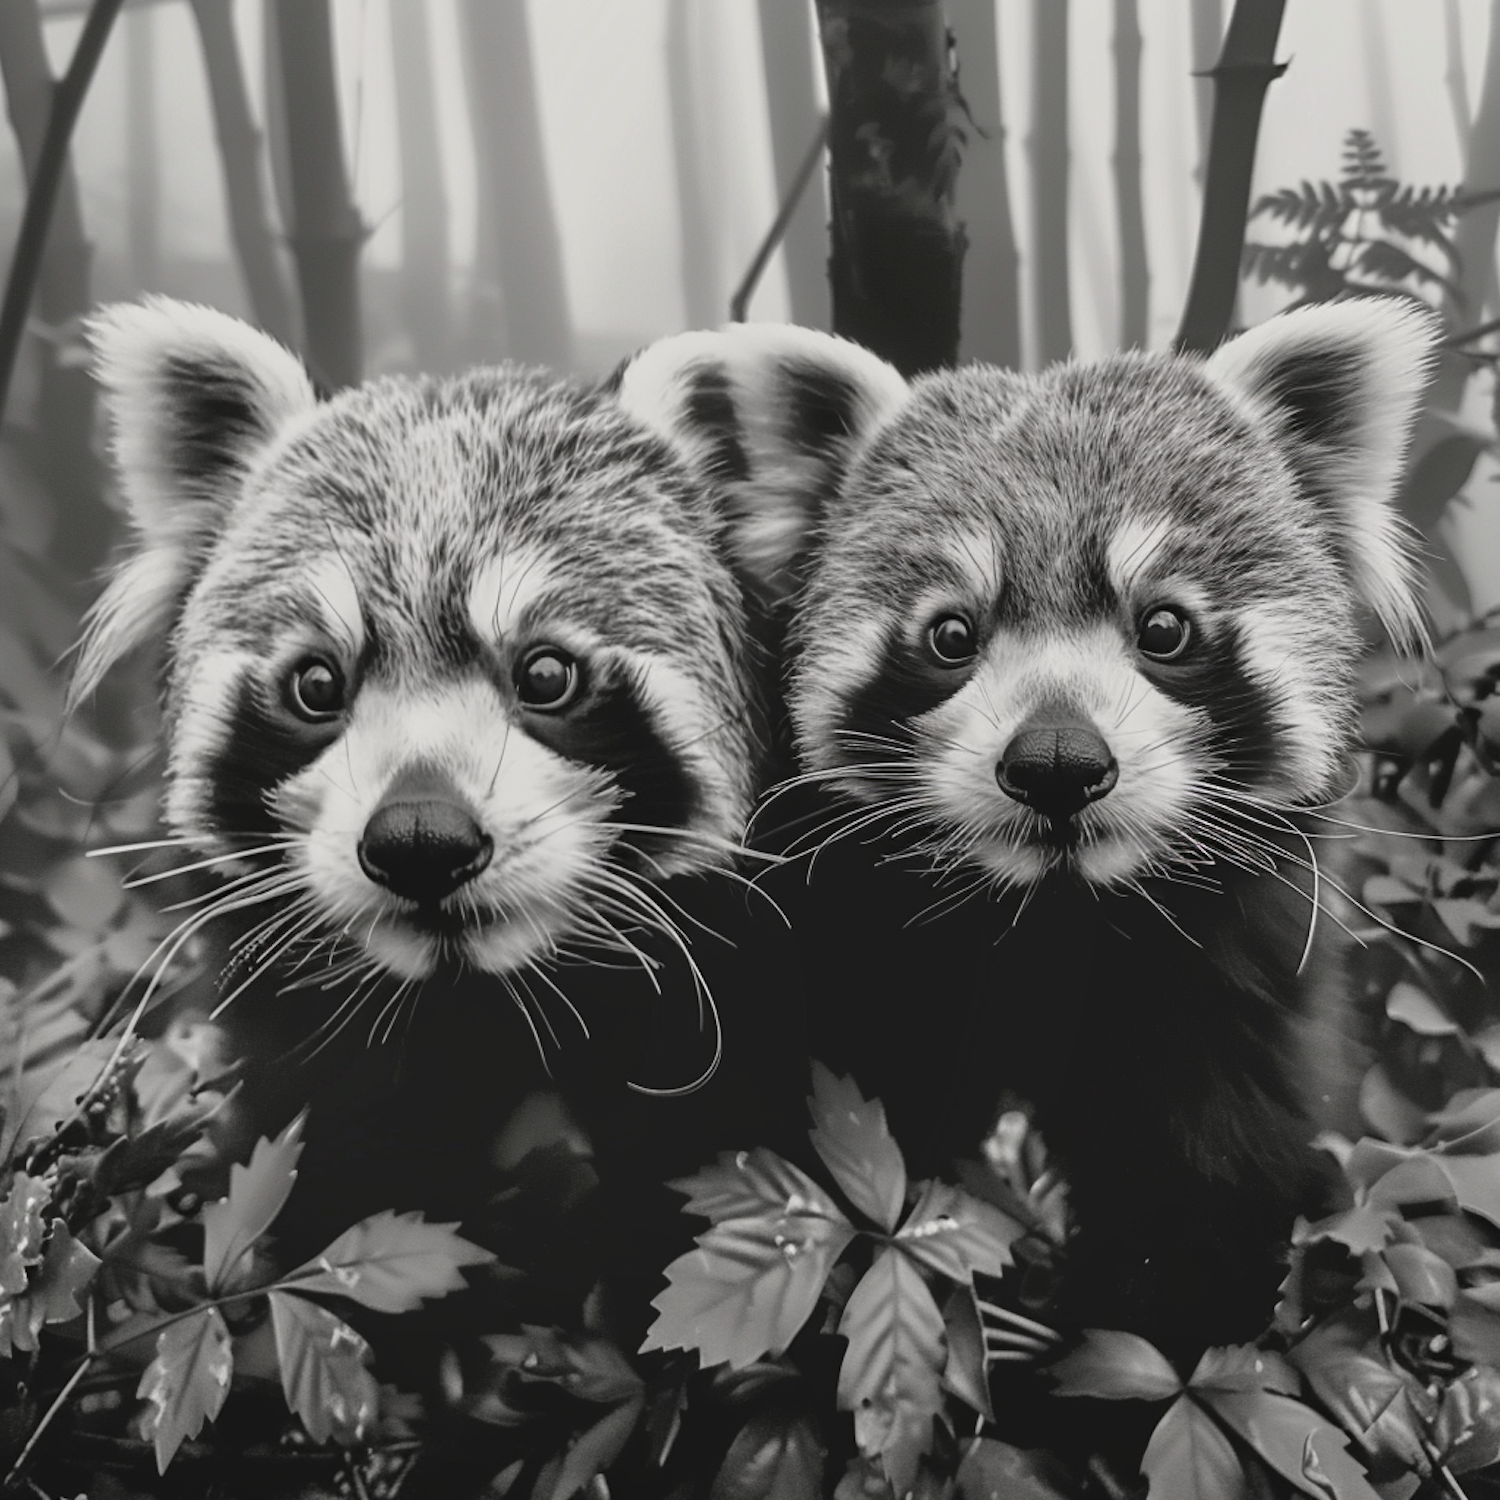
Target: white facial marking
1133, 548
337, 600
1153, 738
546, 815
502, 590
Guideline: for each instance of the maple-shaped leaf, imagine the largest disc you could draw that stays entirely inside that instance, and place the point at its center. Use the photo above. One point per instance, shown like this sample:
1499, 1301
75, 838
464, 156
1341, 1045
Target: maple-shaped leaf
21, 1230
1189, 1457
187, 1381
390, 1262
1359, 1229
751, 1184
257, 1192
776, 1455
956, 1234
323, 1373
850, 1134
750, 1284
1294, 1440
593, 1451
1115, 1366
891, 1377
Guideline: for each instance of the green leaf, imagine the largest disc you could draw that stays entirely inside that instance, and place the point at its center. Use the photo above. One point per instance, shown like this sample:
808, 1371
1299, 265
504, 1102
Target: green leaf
1295, 1441
187, 1381
67, 1269
21, 1230
956, 1235
1476, 1181
85, 893
1418, 1010
323, 1370
257, 1192
1359, 1229
1190, 1458
993, 1470
752, 1184
1243, 1367
965, 1372
46, 1096
1343, 1364
892, 1370
390, 1262
587, 1366
1421, 1276
1115, 1366
750, 1284
776, 1455
850, 1134
593, 1451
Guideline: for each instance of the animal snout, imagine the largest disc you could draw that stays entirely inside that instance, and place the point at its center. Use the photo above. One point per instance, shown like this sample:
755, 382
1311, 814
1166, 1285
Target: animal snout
423, 844
1057, 769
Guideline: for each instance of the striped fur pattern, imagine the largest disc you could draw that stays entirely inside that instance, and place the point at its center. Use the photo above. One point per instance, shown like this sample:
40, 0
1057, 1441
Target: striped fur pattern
418, 541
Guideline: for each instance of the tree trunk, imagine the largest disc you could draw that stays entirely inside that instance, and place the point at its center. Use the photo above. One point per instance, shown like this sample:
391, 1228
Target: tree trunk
240, 157
786, 43
484, 338
1135, 275
991, 317
1457, 79
1207, 21
529, 246
1049, 178
142, 153
1245, 70
702, 302
52, 260
424, 201
894, 151
326, 232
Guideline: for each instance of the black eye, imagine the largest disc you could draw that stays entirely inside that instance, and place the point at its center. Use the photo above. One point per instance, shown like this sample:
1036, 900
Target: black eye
547, 677
951, 639
315, 690
1164, 633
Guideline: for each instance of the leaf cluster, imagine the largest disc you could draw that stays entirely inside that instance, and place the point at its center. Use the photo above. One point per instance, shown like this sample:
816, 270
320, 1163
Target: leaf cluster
1366, 233
769, 1259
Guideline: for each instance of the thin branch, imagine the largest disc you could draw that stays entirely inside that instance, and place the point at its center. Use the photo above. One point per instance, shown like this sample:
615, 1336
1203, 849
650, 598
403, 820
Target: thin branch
739, 303
26, 264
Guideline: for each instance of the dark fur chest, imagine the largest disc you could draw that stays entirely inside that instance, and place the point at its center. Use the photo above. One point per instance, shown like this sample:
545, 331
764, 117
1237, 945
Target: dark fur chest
1169, 1055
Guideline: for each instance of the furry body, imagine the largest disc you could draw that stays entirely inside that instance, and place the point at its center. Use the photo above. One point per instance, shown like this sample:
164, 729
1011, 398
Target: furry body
1073, 659
462, 686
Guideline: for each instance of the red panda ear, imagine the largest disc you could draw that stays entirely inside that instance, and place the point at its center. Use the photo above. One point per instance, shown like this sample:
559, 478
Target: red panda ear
193, 396
1343, 383
771, 416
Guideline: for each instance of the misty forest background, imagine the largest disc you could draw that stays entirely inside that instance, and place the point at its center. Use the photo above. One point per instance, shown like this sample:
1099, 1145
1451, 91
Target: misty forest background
392, 185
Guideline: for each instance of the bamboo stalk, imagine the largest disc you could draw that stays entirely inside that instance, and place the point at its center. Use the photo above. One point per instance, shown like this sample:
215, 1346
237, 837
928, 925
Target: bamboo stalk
1245, 70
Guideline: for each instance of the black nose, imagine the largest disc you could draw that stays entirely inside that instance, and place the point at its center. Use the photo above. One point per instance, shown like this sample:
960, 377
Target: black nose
423, 848
1057, 769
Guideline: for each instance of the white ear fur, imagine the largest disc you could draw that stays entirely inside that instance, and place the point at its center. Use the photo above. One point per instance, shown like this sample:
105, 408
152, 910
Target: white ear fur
772, 415
192, 396
1343, 381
